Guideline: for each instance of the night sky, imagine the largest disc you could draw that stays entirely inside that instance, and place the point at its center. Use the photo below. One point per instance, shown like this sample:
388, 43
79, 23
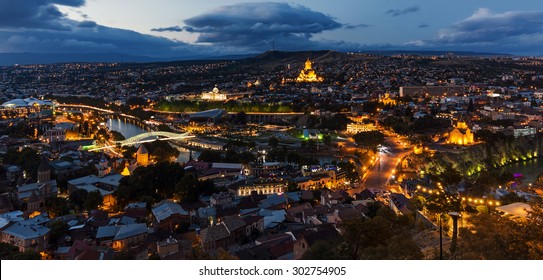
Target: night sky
173, 28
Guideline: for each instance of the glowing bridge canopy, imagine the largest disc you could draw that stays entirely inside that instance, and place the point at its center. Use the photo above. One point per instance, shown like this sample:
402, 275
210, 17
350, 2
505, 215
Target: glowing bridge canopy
140, 138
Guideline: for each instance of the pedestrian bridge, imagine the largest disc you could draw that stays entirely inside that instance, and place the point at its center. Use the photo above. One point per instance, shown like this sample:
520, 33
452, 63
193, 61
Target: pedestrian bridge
142, 138
152, 136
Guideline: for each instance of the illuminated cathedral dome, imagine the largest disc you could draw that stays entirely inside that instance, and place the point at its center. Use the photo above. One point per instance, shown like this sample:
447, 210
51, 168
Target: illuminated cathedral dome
308, 74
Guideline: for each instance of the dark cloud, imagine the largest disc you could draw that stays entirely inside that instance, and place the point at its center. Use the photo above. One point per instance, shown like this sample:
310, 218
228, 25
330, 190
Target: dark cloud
423, 25
168, 29
37, 26
253, 26
83, 15
398, 12
87, 24
42, 14
512, 32
486, 26
348, 26
98, 39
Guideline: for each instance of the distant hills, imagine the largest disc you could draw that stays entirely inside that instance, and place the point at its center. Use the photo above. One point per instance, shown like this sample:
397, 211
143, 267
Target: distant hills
7, 59
49, 58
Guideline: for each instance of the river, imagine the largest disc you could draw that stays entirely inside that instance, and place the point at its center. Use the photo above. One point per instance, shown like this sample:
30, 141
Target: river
128, 130
530, 169
125, 128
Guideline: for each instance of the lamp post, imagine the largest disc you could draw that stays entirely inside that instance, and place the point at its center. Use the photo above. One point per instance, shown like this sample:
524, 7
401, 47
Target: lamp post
440, 238
454, 238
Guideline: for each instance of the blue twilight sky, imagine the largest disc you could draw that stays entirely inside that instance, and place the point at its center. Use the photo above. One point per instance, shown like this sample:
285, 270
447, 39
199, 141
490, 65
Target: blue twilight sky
180, 28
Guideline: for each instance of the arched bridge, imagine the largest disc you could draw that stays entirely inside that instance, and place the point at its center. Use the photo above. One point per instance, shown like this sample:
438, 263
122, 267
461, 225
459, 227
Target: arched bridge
140, 138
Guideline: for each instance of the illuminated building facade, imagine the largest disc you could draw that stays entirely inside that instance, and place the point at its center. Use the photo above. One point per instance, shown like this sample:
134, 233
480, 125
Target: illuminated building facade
53, 135
262, 187
387, 100
461, 134
217, 95
361, 125
308, 75
354, 128
142, 156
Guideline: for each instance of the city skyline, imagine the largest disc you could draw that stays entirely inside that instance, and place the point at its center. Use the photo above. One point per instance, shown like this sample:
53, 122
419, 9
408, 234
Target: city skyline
176, 29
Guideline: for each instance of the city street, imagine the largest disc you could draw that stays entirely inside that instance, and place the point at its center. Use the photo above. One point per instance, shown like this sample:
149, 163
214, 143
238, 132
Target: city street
378, 176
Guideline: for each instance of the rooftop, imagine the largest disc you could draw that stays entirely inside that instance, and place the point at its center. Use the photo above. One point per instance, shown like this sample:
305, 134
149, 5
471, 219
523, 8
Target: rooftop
165, 209
29, 229
121, 231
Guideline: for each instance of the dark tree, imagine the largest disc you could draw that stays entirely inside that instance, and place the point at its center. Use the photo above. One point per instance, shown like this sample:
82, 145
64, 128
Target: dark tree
102, 134
241, 118
511, 198
129, 152
7, 250
78, 197
292, 187
322, 250
161, 150
369, 139
350, 170
246, 157
59, 229
189, 188
210, 156
21, 130
494, 237
117, 136
327, 139
450, 176
164, 127
57, 206
157, 181
93, 200
27, 158
273, 142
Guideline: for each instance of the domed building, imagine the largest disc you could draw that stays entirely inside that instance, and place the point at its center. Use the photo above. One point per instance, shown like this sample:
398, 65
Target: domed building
461, 134
308, 75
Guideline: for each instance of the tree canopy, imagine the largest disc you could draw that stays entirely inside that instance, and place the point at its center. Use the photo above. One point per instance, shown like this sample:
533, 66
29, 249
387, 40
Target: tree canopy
369, 139
495, 237
157, 181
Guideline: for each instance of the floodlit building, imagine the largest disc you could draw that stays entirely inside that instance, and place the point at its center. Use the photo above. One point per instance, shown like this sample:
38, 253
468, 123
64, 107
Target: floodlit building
387, 100
54, 135
142, 156
218, 95
308, 75
461, 134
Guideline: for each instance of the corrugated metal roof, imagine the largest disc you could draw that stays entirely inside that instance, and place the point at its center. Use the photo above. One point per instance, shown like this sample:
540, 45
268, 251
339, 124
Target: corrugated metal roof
26, 230
221, 165
126, 231
165, 209
107, 231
